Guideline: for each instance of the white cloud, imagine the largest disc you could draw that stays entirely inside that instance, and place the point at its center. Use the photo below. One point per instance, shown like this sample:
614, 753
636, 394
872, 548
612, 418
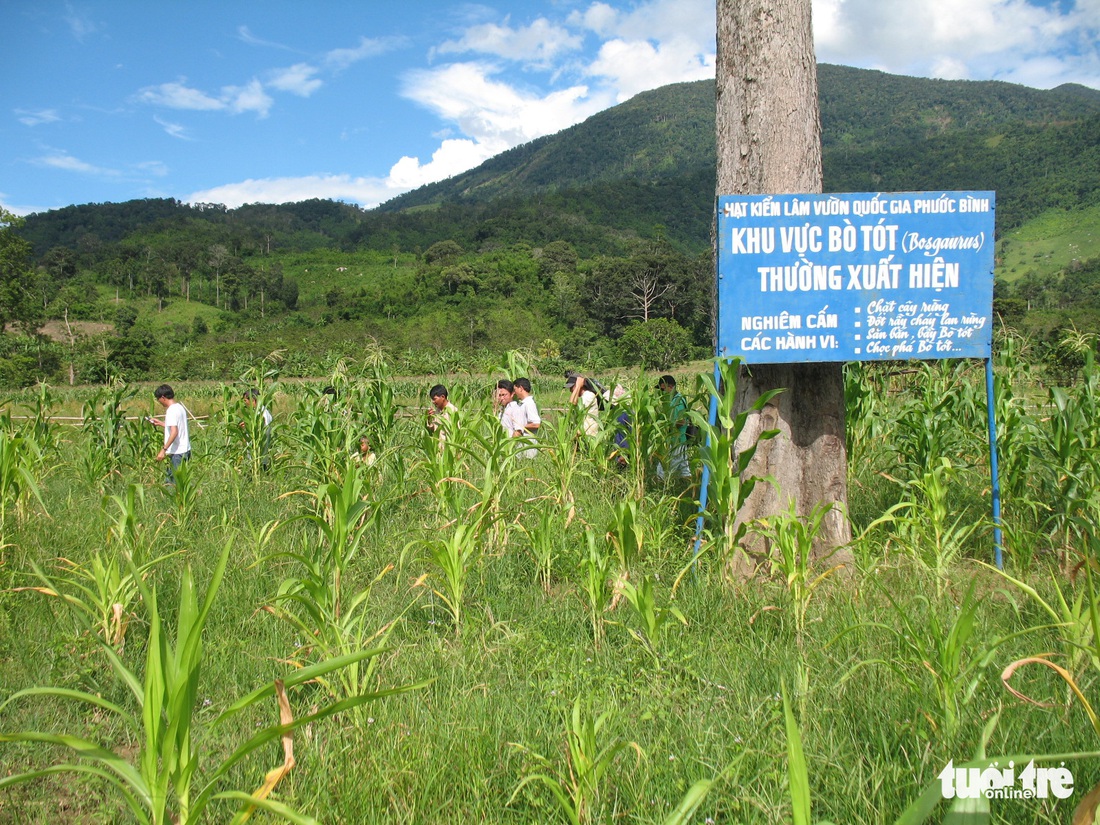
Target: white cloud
29, 118
248, 98
453, 157
156, 168
1016, 40
68, 163
367, 192
233, 99
175, 130
299, 79
657, 21
537, 44
637, 66
246, 35
179, 96
492, 112
339, 59
80, 25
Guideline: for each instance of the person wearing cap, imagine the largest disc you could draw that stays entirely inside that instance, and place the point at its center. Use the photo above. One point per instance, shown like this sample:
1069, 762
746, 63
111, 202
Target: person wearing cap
678, 422
583, 394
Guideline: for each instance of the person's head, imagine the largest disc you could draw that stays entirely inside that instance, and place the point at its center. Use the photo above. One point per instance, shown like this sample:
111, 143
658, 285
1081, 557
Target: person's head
505, 391
364, 444
438, 395
164, 395
251, 397
666, 383
523, 387
571, 380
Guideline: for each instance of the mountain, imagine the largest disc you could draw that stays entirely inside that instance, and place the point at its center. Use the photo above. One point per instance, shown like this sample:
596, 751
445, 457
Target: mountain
647, 166
879, 132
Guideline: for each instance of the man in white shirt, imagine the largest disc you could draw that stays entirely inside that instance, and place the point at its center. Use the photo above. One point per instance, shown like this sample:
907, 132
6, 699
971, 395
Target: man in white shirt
527, 420
177, 441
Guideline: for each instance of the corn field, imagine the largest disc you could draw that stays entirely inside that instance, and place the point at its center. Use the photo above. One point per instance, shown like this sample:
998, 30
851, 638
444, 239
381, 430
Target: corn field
440, 629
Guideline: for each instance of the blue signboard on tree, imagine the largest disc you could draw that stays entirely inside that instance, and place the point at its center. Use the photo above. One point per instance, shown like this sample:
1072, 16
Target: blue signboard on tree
855, 277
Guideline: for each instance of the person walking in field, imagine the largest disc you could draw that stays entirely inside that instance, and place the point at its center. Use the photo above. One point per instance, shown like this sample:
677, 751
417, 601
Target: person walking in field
177, 440
678, 427
251, 399
527, 417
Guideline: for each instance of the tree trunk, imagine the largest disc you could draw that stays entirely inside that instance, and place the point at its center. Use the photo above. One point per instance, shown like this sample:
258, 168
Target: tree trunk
769, 142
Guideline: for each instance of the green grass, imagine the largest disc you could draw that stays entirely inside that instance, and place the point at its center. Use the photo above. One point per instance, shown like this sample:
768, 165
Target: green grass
503, 688
1049, 243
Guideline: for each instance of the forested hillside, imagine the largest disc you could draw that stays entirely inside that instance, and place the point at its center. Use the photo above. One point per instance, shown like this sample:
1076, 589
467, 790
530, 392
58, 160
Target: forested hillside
590, 247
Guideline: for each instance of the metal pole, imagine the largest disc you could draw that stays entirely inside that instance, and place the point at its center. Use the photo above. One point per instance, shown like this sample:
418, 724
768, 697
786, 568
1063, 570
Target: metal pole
712, 416
998, 556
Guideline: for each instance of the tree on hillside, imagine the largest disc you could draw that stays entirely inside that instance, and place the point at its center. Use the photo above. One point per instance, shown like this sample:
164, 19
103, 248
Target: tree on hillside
18, 304
769, 141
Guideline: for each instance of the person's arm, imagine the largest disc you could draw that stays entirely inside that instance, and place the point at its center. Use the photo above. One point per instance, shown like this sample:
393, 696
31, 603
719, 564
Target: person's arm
578, 388
171, 433
534, 421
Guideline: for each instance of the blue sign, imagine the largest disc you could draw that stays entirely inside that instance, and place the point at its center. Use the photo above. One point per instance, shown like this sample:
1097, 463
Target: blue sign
855, 277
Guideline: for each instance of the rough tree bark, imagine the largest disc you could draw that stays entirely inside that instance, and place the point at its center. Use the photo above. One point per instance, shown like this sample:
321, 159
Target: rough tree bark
769, 142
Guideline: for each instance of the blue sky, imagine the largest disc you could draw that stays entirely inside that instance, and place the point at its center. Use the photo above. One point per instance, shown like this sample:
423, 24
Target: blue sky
240, 102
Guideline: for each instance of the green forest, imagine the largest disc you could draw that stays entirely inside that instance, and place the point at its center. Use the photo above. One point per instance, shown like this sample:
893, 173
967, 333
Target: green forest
590, 248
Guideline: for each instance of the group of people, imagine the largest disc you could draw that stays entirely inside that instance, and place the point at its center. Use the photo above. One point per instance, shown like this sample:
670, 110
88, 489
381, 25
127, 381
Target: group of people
176, 447
516, 410
590, 396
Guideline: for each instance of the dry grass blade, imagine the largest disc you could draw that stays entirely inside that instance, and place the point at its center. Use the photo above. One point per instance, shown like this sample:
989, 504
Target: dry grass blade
275, 775
1011, 669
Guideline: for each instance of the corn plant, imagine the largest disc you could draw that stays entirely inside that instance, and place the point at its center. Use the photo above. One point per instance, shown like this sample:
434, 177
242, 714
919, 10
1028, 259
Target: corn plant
641, 419
39, 411
729, 486
185, 491
491, 454
453, 555
923, 525
595, 570
342, 517
105, 424
163, 785
626, 535
442, 463
300, 603
19, 458
790, 540
653, 617
322, 435
939, 420
124, 521
935, 658
103, 590
546, 537
1071, 454
578, 785
565, 455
